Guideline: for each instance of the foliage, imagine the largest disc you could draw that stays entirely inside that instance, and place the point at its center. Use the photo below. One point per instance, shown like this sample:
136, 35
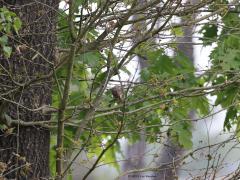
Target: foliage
9, 24
226, 64
168, 92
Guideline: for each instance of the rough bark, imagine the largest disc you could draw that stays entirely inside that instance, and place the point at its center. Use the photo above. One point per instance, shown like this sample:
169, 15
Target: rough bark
26, 149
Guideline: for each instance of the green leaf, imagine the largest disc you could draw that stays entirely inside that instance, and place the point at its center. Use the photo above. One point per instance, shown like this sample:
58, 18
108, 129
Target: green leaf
238, 129
231, 20
209, 32
7, 51
124, 69
230, 117
181, 128
77, 4
68, 137
227, 55
99, 80
178, 31
185, 139
91, 58
17, 23
183, 63
201, 104
3, 40
181, 131
160, 63
64, 37
110, 156
77, 97
227, 97
52, 154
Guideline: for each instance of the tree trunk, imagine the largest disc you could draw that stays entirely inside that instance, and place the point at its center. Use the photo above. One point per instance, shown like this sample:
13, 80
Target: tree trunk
135, 152
171, 151
26, 149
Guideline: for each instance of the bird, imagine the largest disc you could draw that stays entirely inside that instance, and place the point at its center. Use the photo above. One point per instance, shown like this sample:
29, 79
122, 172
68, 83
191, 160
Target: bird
117, 93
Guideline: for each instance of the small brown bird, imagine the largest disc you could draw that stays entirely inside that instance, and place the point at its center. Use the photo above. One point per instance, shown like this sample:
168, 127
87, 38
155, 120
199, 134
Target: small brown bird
117, 93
